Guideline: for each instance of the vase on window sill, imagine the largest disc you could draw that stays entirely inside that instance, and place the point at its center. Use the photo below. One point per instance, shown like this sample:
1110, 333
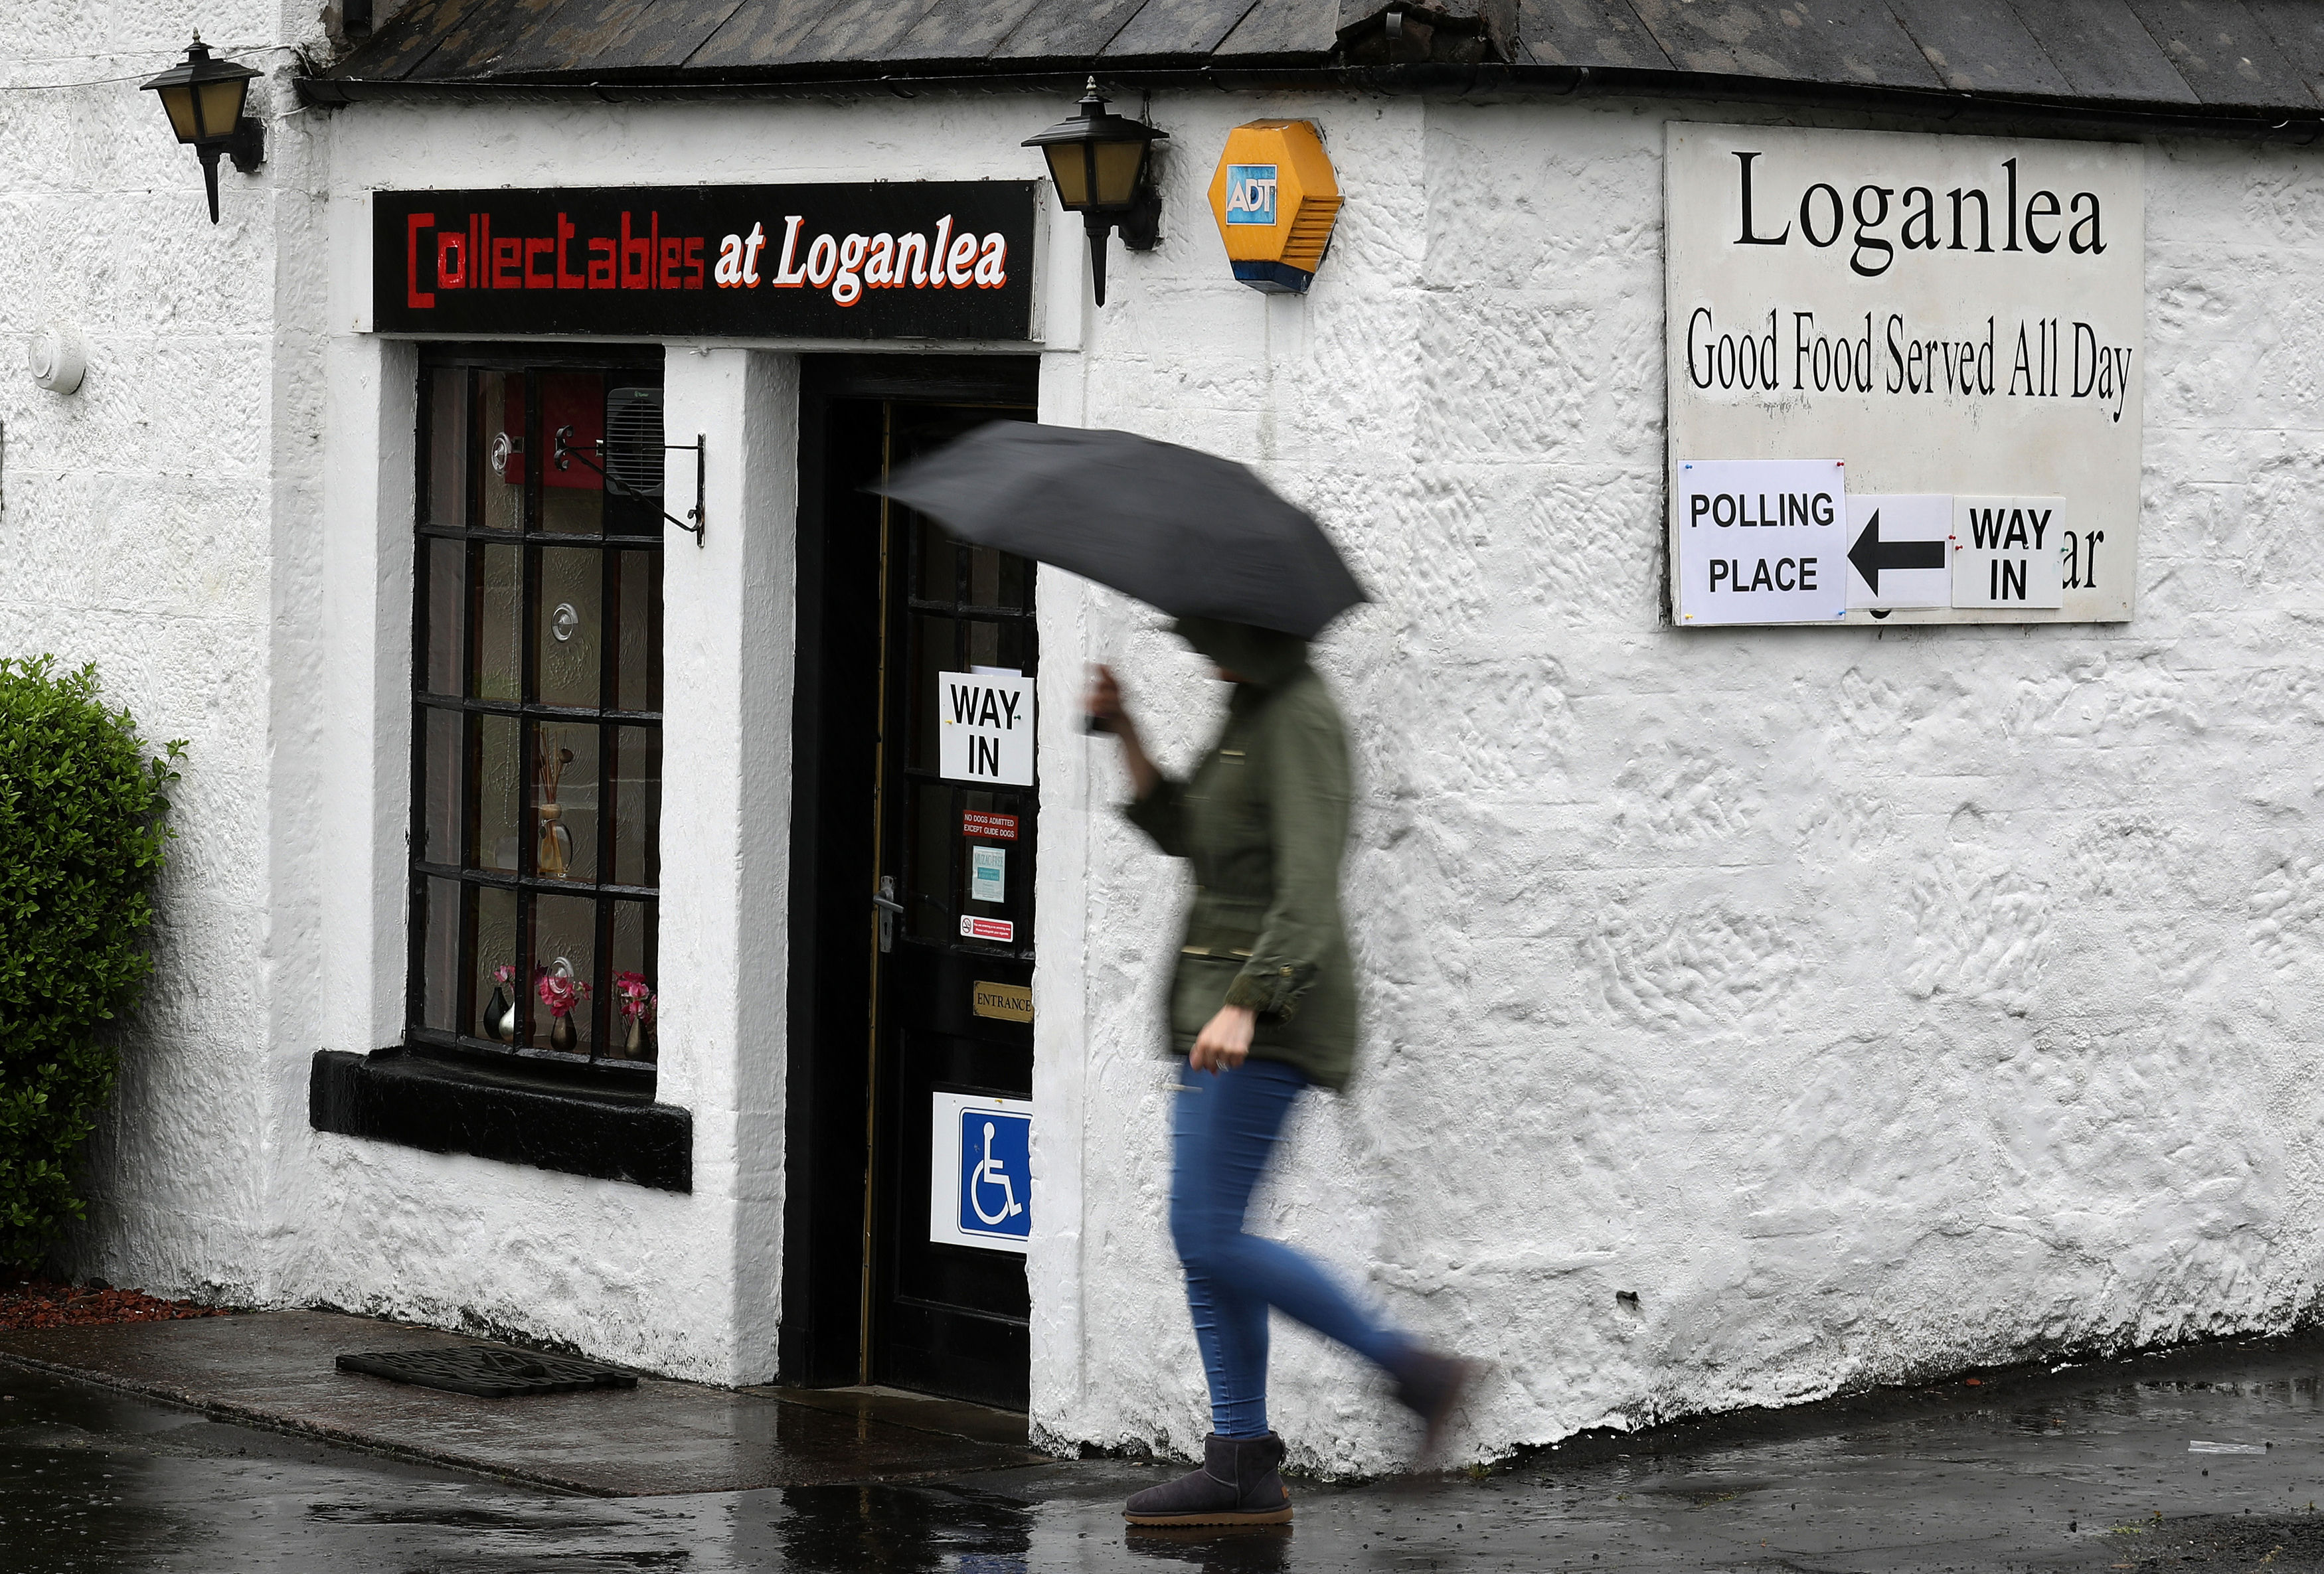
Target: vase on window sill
499, 1017
561, 1036
633, 1048
554, 856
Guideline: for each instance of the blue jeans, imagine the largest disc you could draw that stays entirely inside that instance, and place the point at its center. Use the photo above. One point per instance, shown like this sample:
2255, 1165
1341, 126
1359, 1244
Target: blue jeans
1224, 1128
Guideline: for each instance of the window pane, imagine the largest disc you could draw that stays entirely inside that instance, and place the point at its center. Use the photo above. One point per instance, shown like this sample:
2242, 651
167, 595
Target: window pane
565, 823
500, 450
440, 955
935, 562
992, 644
444, 562
572, 499
636, 778
564, 948
571, 624
996, 578
637, 610
936, 646
440, 820
447, 448
500, 625
500, 997
630, 1022
932, 902
499, 772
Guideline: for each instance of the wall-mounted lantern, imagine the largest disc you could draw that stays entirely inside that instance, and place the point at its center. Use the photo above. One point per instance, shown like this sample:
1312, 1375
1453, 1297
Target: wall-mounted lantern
1099, 162
204, 99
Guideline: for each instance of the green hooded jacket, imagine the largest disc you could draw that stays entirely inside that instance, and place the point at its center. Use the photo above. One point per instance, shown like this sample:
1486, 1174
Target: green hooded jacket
1264, 821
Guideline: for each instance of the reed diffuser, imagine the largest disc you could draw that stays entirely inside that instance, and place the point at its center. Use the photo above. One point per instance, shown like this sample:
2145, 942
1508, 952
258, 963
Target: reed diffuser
553, 854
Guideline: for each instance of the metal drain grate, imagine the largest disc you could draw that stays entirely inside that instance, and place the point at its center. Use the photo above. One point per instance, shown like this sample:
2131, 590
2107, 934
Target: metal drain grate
487, 1371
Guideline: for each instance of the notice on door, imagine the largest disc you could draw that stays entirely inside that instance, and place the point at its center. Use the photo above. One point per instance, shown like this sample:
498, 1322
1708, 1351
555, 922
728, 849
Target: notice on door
1951, 316
984, 728
980, 1171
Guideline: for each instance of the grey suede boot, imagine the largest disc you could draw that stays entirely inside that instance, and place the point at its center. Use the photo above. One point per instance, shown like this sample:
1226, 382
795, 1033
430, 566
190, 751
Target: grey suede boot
1432, 1387
1237, 1485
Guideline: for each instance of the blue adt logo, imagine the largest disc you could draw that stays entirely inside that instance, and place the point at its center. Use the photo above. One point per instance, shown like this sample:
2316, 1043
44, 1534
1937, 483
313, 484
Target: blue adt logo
996, 1173
1250, 194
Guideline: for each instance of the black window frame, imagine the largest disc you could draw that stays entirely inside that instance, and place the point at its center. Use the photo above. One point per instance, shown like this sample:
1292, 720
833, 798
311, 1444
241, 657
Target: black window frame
596, 1066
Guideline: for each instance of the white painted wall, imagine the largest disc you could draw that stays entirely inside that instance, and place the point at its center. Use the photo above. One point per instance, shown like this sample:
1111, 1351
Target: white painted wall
159, 523
1867, 1003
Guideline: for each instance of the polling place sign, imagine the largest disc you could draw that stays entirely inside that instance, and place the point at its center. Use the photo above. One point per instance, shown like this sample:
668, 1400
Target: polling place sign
1762, 540
1950, 317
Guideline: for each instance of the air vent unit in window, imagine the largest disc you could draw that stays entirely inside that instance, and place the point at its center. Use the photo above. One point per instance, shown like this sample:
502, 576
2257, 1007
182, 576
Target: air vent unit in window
634, 441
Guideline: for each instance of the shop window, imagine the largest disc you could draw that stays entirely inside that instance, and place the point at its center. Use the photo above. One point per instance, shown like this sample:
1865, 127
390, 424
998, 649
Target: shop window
536, 837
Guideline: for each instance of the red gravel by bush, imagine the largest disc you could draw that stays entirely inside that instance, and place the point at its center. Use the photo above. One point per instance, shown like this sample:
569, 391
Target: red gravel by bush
40, 1304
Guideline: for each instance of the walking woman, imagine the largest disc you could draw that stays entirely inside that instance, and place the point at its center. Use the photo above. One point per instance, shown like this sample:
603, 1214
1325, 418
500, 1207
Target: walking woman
1262, 1005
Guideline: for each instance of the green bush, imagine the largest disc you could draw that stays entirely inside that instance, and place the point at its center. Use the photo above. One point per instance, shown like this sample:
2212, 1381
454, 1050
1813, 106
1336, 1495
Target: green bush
81, 843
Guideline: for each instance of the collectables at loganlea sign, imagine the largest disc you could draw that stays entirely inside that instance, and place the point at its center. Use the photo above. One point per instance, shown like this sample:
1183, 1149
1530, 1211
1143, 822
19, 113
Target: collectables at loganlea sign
1903, 377
935, 260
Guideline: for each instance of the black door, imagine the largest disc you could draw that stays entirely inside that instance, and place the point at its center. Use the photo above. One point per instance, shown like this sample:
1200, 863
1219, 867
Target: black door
915, 852
952, 1074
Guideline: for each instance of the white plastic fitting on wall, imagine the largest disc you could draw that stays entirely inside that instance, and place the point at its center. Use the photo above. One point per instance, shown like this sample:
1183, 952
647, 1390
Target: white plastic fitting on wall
58, 357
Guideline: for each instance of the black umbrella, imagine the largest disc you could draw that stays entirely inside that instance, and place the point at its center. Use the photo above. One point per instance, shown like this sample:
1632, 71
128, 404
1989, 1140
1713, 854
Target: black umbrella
1191, 533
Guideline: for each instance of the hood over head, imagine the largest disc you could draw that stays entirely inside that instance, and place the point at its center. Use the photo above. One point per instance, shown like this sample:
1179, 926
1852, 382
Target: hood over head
1262, 656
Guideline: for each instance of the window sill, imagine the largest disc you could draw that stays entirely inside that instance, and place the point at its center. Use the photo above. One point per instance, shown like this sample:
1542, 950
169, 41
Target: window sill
396, 1097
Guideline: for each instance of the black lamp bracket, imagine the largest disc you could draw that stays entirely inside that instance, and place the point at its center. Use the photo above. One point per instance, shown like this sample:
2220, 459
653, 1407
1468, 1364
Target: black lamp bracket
247, 146
566, 450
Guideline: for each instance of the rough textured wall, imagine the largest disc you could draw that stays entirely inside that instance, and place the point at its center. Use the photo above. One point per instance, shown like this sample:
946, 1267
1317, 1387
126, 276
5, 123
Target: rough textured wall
139, 523
1867, 1003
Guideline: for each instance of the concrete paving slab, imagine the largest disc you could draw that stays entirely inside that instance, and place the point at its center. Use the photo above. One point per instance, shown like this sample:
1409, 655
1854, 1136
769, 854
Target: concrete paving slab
275, 1371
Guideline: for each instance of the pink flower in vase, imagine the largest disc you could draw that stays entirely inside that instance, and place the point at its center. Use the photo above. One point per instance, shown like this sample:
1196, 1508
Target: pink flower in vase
560, 993
635, 995
504, 975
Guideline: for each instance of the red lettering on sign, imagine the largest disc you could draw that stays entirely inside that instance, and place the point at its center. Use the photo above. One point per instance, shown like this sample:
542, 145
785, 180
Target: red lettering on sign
538, 246
451, 258
993, 827
637, 258
413, 296
567, 279
999, 929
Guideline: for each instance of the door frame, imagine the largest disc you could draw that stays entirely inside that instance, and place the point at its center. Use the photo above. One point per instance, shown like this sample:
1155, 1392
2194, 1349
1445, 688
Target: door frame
828, 1112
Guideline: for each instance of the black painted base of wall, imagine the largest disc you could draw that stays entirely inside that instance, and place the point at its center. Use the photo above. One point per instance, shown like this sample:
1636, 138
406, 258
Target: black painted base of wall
407, 1100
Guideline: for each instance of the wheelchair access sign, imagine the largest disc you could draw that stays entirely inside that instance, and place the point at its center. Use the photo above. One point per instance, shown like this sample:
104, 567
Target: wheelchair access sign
979, 1171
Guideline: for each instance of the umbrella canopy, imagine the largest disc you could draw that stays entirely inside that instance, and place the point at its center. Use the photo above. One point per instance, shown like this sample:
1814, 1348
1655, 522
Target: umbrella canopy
1191, 533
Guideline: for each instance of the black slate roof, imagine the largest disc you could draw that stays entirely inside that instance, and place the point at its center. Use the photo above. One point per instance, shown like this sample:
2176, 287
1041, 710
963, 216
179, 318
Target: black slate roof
2253, 60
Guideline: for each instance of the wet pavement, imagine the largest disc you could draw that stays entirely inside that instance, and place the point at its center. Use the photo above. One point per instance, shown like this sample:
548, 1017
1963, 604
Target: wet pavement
277, 1369
2206, 1459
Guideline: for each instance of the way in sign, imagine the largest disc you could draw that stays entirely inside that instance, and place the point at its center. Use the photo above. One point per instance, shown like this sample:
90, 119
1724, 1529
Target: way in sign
984, 731
2008, 551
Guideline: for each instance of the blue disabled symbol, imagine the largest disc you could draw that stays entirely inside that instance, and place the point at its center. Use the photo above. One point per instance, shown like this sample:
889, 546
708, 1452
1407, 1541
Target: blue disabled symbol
996, 1173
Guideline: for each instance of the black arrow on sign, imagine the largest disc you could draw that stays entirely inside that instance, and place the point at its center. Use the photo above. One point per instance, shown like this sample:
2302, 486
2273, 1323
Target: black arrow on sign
1871, 553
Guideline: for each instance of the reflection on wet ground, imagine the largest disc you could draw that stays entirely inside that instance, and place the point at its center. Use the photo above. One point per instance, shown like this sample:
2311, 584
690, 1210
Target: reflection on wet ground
2094, 1469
